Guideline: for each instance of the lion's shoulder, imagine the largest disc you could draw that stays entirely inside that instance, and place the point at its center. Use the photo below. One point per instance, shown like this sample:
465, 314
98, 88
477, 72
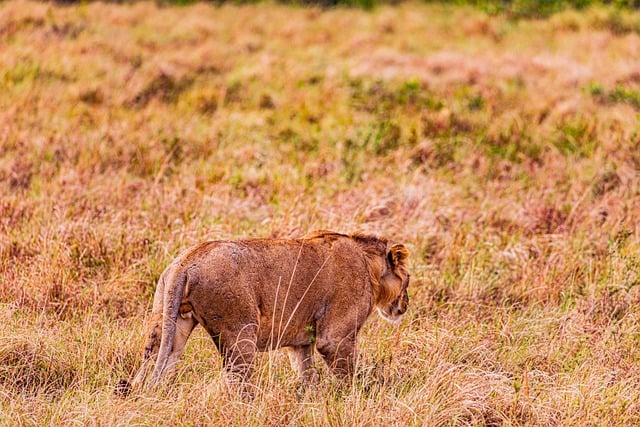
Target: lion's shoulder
325, 235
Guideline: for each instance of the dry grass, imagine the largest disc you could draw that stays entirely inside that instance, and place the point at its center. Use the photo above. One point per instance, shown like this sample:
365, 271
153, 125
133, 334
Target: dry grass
505, 154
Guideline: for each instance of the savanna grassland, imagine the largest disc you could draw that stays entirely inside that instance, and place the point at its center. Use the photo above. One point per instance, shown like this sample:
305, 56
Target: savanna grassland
504, 153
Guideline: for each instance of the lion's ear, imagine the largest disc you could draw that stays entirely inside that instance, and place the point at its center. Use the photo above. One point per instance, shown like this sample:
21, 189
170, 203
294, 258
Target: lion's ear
397, 255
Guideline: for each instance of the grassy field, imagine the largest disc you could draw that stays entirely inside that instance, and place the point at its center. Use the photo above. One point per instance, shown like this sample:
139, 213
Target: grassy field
505, 154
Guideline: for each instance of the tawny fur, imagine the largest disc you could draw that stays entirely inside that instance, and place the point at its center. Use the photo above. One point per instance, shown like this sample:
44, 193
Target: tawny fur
262, 294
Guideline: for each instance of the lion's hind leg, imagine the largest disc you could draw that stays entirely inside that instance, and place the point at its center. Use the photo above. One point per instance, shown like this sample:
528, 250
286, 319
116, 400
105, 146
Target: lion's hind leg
152, 345
150, 352
183, 328
239, 349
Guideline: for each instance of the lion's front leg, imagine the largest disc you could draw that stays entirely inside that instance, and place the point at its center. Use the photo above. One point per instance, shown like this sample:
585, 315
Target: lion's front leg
301, 359
336, 341
339, 356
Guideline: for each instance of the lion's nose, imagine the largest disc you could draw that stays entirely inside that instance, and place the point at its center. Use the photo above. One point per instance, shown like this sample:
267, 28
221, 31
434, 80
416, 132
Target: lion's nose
398, 311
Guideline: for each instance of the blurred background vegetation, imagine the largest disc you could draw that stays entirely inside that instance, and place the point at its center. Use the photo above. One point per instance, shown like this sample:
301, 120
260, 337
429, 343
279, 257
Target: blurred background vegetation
515, 9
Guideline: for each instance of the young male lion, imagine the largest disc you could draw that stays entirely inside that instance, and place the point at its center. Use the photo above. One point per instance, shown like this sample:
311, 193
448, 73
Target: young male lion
262, 294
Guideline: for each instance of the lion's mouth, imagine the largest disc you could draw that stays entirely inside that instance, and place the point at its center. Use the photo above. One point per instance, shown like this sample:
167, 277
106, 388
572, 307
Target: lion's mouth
394, 320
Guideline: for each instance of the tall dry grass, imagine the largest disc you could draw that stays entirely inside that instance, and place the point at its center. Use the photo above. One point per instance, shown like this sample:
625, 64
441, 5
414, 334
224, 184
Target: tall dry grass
504, 154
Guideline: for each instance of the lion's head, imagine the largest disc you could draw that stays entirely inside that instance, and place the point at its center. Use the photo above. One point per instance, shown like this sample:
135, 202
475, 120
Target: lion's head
389, 275
394, 283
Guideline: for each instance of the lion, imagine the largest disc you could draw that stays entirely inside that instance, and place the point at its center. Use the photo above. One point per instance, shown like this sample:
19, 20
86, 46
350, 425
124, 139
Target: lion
263, 294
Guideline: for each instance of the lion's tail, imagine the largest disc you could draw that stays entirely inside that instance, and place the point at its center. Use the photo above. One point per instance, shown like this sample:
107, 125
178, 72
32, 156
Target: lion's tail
172, 298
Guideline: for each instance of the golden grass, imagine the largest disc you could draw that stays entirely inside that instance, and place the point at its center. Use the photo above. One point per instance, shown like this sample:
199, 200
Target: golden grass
504, 154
